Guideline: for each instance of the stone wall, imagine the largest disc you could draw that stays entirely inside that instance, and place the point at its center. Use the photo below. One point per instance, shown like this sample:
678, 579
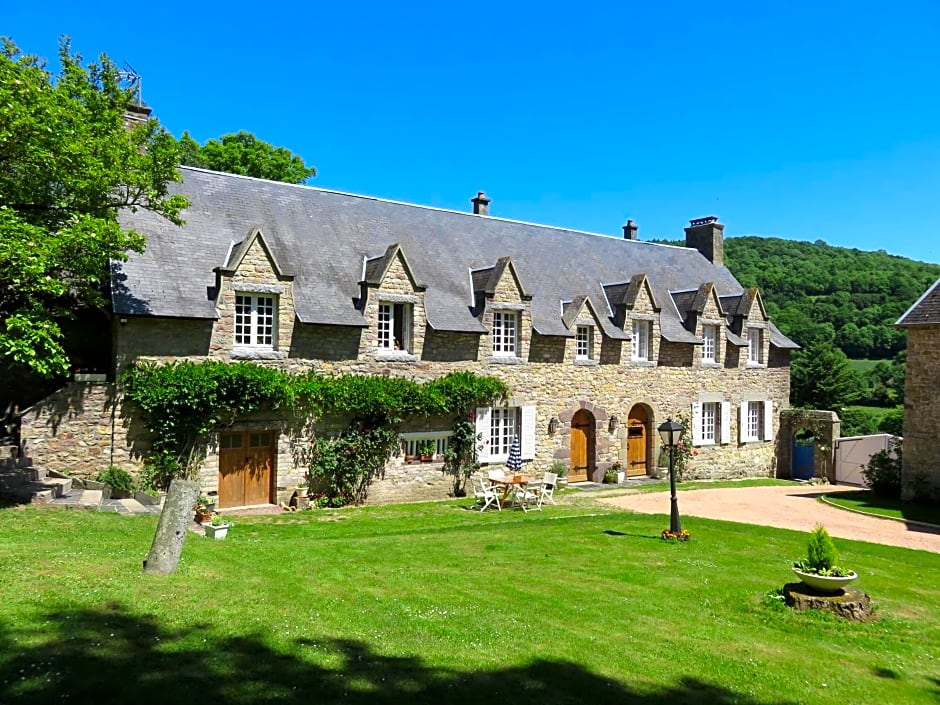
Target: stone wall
920, 465
83, 428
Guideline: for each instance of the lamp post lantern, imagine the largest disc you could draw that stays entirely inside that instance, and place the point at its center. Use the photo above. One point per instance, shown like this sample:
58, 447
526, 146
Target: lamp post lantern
671, 432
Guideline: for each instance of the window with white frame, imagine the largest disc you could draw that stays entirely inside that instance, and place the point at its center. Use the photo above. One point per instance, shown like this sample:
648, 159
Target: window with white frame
641, 340
497, 427
505, 332
502, 430
584, 343
394, 327
710, 418
711, 421
755, 349
756, 420
254, 320
709, 349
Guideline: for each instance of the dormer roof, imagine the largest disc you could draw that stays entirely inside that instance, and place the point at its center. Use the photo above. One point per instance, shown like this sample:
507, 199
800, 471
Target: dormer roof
238, 250
376, 268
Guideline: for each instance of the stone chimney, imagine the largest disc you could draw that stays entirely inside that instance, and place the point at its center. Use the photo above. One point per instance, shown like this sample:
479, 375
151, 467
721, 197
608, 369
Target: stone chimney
481, 204
135, 115
629, 230
707, 236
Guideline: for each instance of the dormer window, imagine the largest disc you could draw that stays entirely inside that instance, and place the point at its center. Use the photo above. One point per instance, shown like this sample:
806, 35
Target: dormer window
584, 348
505, 333
754, 346
254, 321
709, 349
641, 340
394, 327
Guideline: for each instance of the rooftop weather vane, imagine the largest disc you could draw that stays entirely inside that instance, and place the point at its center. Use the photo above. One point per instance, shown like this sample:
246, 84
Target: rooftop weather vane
130, 78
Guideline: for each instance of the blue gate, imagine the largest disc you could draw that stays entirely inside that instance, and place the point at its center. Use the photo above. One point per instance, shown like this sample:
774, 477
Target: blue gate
803, 458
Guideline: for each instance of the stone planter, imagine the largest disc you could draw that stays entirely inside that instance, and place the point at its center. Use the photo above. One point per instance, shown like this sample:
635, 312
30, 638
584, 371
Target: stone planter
825, 583
216, 532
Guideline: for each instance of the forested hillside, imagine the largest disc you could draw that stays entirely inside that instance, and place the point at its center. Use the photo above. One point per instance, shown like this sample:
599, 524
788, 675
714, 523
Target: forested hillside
815, 291
837, 303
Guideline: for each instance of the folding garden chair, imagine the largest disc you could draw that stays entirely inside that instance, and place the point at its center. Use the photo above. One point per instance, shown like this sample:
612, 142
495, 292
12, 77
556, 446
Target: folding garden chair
545, 490
485, 493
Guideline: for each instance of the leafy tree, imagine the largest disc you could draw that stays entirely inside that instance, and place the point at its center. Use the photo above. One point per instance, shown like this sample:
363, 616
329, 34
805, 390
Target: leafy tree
820, 378
245, 154
68, 165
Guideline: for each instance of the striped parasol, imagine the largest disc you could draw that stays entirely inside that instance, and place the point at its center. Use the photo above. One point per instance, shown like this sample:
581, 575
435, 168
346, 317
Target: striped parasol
514, 461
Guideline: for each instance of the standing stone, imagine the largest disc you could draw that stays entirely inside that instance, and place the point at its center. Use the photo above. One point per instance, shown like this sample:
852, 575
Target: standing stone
171, 531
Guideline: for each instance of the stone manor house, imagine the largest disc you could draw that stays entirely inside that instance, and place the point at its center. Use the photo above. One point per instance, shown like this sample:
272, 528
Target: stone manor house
599, 338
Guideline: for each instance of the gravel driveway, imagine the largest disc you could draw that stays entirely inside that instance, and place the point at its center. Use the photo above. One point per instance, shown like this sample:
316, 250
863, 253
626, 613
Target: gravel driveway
786, 508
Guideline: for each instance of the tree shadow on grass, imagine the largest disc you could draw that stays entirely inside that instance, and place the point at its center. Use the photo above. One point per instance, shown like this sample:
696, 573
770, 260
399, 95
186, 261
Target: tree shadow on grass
111, 656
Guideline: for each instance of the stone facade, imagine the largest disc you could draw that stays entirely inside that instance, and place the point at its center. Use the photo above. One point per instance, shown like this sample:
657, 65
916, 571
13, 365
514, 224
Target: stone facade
920, 468
543, 372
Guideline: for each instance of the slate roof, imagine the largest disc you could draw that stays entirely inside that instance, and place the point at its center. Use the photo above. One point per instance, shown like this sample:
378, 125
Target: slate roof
322, 236
925, 311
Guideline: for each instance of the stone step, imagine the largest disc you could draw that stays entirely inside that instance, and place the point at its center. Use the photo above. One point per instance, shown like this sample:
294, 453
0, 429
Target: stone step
133, 506
91, 499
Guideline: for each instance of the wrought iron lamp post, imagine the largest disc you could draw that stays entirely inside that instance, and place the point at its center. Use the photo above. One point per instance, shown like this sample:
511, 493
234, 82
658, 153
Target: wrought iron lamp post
671, 432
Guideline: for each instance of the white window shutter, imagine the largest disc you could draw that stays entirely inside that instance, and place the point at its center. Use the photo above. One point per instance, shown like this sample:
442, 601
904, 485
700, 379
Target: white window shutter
483, 433
725, 422
528, 433
768, 420
696, 423
742, 422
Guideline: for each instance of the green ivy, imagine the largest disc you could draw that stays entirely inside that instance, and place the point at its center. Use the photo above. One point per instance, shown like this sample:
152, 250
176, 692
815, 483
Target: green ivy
183, 402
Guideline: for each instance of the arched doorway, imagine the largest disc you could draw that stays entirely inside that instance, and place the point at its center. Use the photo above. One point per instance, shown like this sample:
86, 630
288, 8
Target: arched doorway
804, 455
638, 435
582, 446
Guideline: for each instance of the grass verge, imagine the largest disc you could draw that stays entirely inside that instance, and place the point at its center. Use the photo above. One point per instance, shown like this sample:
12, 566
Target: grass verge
866, 502
433, 603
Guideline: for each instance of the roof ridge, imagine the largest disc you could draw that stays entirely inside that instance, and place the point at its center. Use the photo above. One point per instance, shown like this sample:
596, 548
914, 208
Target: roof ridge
438, 209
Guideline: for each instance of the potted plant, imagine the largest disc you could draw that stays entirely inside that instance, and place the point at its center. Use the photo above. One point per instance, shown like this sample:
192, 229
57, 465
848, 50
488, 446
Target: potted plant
426, 451
303, 488
217, 527
617, 469
561, 469
820, 570
203, 509
610, 477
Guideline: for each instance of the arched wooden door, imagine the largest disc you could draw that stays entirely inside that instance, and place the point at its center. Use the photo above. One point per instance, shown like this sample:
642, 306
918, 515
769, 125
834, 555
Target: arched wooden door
638, 442
582, 447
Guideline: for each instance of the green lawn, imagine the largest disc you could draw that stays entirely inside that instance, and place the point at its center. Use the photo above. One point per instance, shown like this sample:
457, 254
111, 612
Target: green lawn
432, 603
865, 501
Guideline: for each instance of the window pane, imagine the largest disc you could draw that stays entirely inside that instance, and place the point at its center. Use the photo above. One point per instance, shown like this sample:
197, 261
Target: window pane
385, 324
504, 333
708, 421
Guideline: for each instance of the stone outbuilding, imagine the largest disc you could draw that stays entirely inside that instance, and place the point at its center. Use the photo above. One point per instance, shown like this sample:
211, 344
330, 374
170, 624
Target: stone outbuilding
600, 338
920, 465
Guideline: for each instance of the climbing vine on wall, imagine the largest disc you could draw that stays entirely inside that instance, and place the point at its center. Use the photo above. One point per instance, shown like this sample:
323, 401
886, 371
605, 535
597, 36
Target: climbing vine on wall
183, 402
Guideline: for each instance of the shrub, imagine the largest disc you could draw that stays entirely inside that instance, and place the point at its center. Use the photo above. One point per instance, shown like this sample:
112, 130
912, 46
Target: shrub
821, 555
893, 422
559, 468
857, 421
117, 479
883, 472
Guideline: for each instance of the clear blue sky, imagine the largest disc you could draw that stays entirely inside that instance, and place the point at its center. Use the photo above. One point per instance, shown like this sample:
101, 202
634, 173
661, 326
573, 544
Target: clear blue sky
804, 120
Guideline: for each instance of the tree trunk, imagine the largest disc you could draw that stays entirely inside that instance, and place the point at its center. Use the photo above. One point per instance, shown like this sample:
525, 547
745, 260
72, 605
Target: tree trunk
171, 531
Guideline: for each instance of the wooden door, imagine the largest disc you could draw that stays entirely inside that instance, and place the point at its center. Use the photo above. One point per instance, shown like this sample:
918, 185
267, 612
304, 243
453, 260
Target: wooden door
637, 442
246, 468
582, 447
